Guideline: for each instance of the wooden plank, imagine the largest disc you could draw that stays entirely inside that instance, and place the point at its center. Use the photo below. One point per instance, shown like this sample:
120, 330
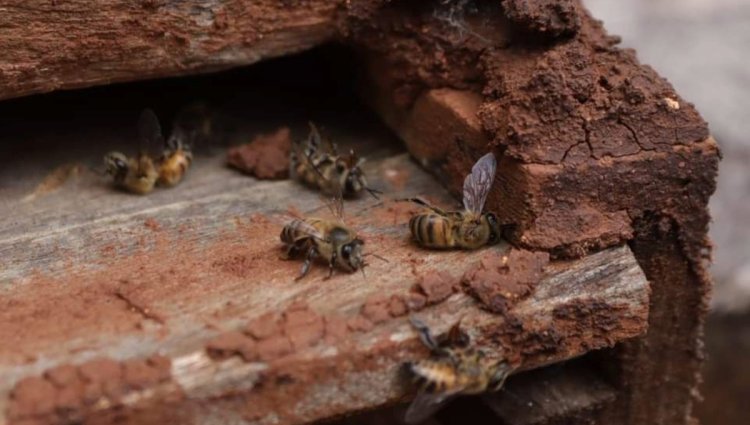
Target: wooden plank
549, 394
62, 45
92, 273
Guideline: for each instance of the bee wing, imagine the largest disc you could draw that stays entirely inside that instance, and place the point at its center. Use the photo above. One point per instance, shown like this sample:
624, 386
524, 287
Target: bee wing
309, 230
149, 131
301, 225
426, 404
477, 184
316, 141
336, 205
190, 121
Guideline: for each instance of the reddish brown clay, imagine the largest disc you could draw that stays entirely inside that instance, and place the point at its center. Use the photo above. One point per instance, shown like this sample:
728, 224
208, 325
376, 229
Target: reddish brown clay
266, 157
498, 282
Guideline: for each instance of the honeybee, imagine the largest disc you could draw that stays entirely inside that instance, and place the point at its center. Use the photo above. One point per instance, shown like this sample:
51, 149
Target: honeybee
137, 174
328, 240
175, 160
455, 367
322, 167
467, 229
176, 155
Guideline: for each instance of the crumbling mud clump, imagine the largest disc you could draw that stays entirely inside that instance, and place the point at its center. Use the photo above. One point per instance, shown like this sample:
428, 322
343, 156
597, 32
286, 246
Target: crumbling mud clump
499, 282
552, 18
67, 393
266, 157
435, 287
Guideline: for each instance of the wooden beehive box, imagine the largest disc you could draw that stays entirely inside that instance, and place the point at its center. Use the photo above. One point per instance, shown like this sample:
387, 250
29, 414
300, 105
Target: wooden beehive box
174, 308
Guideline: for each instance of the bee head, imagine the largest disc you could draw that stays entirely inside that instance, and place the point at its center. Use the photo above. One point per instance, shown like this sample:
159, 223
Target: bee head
500, 372
116, 163
494, 228
351, 254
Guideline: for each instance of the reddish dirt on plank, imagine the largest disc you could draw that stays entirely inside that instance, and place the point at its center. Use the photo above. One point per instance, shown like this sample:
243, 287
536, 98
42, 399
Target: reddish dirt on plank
498, 282
266, 157
229, 344
64, 393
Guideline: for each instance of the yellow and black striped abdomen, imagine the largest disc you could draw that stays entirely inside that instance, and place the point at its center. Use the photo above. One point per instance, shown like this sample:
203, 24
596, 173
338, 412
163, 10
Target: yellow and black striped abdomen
174, 167
432, 230
434, 376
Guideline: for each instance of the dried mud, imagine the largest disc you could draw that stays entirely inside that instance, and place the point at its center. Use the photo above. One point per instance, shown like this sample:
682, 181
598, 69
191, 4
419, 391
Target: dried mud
265, 157
498, 283
68, 393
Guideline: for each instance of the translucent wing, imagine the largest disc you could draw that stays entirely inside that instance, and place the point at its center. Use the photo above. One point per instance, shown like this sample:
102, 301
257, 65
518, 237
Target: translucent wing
426, 404
477, 184
192, 124
299, 223
307, 229
336, 204
316, 141
149, 131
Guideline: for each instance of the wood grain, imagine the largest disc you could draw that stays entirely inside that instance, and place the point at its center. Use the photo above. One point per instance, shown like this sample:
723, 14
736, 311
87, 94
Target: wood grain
53, 45
89, 272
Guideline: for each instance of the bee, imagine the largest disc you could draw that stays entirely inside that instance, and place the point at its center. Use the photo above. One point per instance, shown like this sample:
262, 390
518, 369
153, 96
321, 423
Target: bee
468, 229
175, 160
319, 165
177, 156
137, 174
328, 240
455, 367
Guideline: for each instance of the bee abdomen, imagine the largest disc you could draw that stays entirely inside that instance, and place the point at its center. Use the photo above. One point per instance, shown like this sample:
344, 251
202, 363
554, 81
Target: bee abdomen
431, 230
432, 376
289, 233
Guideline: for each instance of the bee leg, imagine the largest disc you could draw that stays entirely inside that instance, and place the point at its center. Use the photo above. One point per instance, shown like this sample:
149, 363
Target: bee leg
422, 202
424, 334
311, 254
331, 265
291, 252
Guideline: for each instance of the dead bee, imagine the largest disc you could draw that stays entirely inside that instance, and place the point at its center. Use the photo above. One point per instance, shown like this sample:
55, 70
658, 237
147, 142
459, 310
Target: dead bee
467, 229
137, 174
329, 240
455, 367
176, 155
322, 167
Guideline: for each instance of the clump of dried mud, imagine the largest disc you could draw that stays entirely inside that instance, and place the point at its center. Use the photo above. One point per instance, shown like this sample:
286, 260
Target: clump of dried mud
265, 157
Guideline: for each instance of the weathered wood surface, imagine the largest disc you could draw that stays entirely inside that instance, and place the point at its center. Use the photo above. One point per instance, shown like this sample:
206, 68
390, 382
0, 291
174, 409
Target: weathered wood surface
52, 45
89, 272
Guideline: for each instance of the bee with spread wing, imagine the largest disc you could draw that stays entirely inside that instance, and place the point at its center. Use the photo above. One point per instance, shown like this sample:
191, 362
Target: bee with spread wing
318, 164
177, 155
455, 367
468, 229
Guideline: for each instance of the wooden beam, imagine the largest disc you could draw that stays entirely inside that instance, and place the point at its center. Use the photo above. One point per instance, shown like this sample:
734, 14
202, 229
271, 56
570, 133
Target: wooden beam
51, 45
175, 305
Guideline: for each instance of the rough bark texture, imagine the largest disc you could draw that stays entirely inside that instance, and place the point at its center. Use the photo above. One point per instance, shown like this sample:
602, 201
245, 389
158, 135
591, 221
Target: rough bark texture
52, 45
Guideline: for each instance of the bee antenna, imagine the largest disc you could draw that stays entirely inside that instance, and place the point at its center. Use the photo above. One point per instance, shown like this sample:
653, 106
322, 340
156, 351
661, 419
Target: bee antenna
374, 192
376, 256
